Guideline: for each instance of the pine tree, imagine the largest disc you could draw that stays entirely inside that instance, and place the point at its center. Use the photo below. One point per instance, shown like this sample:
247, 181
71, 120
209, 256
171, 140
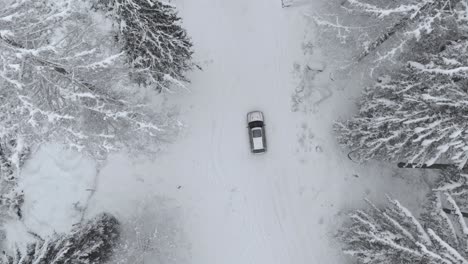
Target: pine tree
64, 79
417, 115
89, 243
394, 235
417, 18
152, 37
386, 32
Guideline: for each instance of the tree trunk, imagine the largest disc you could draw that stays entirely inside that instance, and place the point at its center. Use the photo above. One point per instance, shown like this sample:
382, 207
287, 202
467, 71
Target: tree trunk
449, 211
424, 166
394, 29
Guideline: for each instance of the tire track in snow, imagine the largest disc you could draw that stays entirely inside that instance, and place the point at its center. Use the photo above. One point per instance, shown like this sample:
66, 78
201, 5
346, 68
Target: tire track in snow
214, 154
247, 212
250, 51
276, 187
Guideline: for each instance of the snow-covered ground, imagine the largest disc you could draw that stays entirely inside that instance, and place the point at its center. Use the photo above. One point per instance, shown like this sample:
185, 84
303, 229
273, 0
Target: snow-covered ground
280, 207
57, 184
223, 204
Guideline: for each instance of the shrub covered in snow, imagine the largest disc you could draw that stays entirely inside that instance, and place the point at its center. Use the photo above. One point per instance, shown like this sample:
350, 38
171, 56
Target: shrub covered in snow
416, 115
394, 235
90, 243
155, 43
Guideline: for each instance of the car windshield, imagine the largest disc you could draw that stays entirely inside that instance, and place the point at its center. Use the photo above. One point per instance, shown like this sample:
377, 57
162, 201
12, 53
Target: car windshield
257, 133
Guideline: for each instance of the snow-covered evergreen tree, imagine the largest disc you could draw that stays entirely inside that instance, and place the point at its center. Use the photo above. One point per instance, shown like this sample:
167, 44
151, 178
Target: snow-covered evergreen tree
152, 37
64, 78
89, 243
394, 235
386, 32
417, 115
413, 19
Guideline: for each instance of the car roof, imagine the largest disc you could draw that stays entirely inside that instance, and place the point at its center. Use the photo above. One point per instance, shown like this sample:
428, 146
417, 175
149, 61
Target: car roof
254, 116
257, 142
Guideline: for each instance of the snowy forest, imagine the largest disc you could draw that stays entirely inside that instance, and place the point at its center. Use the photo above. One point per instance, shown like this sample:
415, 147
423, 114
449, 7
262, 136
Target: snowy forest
412, 113
78, 73
122, 131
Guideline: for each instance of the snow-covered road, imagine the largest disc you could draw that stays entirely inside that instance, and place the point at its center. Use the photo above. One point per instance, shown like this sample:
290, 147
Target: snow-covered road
250, 47
244, 208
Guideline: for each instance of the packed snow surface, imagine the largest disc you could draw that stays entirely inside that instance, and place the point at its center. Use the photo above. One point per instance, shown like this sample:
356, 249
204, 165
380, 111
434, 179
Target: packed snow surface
227, 205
